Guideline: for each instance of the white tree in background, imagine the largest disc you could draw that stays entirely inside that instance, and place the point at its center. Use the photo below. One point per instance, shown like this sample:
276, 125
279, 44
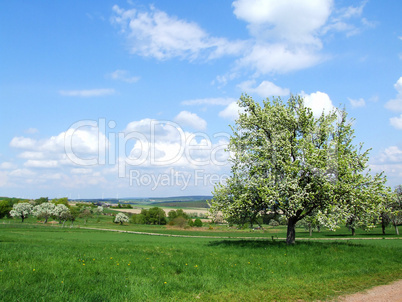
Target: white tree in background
22, 210
121, 218
44, 210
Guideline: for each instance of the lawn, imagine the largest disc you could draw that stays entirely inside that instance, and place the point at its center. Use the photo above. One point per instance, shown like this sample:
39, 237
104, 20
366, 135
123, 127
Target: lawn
58, 264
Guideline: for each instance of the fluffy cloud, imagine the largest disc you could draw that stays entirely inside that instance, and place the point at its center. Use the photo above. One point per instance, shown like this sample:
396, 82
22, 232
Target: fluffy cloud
319, 102
389, 161
88, 93
284, 35
265, 89
391, 155
77, 146
396, 104
192, 120
357, 103
231, 112
286, 20
155, 34
396, 122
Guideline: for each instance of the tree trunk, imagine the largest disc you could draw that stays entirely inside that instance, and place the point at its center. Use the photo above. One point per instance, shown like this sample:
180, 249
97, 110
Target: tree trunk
291, 233
396, 229
353, 231
383, 226
22, 217
310, 230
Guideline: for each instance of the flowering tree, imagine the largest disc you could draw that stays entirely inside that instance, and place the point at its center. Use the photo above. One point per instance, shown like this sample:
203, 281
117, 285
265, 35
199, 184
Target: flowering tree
98, 210
22, 210
120, 217
44, 210
289, 162
61, 212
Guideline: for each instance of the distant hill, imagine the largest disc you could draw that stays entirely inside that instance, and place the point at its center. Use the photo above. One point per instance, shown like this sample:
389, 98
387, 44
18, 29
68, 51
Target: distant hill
183, 204
196, 201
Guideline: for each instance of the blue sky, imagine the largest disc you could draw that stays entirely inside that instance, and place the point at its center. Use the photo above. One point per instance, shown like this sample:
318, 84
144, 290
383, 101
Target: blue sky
134, 98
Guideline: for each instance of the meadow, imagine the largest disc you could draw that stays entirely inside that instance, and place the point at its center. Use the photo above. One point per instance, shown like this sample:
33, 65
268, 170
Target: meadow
43, 262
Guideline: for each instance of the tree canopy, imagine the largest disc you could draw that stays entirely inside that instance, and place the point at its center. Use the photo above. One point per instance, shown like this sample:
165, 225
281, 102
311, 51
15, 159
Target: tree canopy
287, 161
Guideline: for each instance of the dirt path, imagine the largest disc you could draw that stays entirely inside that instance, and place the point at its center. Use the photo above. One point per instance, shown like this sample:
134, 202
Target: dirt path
384, 293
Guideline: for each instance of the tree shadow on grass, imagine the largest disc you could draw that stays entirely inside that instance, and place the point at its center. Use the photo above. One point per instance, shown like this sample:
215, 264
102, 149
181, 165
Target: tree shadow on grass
250, 243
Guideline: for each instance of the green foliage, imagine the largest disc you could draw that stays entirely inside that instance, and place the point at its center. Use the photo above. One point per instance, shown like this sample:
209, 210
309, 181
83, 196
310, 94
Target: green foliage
190, 222
63, 201
180, 221
177, 213
85, 213
122, 206
198, 223
41, 200
154, 215
6, 206
137, 219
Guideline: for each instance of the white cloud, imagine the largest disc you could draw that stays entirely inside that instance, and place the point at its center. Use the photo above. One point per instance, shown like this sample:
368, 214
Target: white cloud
209, 101
396, 122
74, 146
7, 165
279, 58
123, 75
341, 20
88, 93
357, 103
81, 171
391, 154
231, 112
396, 104
3, 179
191, 119
319, 102
284, 35
389, 161
265, 89
23, 173
155, 34
296, 22
41, 163
23, 142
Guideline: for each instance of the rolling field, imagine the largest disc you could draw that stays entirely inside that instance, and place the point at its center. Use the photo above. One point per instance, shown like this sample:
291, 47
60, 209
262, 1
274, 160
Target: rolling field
39, 263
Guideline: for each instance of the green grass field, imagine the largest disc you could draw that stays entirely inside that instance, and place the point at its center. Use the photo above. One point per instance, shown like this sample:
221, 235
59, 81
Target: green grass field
39, 263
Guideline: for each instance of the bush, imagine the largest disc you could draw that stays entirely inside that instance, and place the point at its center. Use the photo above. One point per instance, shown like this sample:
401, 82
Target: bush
273, 223
120, 218
198, 223
190, 222
181, 222
137, 219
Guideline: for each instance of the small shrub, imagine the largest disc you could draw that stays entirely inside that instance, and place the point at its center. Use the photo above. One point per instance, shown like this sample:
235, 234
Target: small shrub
198, 223
181, 222
273, 223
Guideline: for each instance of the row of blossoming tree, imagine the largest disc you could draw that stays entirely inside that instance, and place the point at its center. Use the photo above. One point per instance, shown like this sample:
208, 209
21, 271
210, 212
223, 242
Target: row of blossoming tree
58, 209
